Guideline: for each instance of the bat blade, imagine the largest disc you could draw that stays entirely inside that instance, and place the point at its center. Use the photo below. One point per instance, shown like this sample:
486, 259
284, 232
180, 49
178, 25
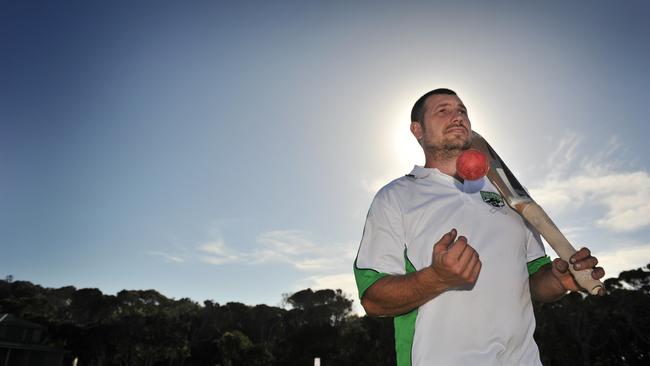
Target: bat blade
519, 200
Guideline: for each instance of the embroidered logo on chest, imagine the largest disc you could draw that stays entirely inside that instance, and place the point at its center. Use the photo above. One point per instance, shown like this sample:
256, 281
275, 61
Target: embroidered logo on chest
492, 199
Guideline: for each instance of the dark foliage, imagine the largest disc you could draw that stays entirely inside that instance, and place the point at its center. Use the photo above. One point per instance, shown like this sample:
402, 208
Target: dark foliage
147, 328
591, 330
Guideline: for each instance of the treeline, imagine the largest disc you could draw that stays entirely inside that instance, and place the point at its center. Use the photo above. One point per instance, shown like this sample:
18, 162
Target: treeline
149, 329
145, 328
598, 330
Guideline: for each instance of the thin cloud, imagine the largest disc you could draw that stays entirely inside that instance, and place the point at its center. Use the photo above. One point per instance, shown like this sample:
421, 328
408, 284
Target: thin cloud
292, 247
289, 242
625, 195
597, 180
315, 264
625, 259
169, 258
218, 253
295, 247
560, 159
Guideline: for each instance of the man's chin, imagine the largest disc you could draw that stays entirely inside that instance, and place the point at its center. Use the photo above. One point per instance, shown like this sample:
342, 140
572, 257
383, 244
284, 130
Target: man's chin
459, 143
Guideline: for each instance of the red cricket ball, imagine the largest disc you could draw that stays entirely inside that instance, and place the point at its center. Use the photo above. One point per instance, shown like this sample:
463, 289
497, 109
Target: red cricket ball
472, 165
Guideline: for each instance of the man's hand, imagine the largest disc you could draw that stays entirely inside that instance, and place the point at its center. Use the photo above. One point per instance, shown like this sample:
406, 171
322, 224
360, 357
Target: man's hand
456, 263
582, 259
551, 282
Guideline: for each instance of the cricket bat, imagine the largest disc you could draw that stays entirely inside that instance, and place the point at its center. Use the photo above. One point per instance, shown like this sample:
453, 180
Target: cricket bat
516, 197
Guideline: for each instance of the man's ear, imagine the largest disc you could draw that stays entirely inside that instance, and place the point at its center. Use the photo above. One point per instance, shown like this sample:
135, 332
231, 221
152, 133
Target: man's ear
416, 130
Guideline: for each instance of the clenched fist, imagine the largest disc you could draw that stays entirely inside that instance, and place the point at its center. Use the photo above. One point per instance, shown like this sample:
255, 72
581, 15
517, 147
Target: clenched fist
455, 262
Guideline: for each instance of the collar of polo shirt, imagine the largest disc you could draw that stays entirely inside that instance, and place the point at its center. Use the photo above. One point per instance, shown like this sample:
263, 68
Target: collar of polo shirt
420, 172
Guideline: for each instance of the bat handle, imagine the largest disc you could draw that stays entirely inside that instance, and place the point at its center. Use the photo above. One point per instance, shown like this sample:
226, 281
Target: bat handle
534, 214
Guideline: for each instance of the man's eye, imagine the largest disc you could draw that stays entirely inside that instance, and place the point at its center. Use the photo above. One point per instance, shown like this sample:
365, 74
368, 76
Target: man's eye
442, 111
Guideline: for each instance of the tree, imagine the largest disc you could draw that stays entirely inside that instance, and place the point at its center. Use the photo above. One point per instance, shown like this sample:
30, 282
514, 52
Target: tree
595, 330
322, 306
233, 346
636, 279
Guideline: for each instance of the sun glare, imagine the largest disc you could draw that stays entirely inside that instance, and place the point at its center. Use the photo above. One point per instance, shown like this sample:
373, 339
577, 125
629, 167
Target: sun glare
406, 150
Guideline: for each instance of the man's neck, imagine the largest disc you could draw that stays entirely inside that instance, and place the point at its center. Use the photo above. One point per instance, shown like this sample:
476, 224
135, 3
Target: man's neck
445, 162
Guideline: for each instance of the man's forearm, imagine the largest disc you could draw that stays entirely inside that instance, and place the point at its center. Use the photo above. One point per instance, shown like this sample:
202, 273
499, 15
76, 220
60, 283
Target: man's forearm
399, 294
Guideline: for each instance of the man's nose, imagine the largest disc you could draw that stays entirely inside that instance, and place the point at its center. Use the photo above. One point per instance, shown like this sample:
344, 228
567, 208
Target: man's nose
459, 116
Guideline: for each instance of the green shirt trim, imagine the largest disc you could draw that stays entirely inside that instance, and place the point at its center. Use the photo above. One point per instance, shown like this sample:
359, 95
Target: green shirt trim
405, 327
535, 265
404, 324
365, 277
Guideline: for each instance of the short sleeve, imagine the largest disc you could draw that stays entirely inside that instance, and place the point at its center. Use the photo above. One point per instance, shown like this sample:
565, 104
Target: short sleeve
381, 251
535, 254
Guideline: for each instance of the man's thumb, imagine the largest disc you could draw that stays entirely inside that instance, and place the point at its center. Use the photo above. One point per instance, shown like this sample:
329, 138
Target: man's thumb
444, 242
560, 270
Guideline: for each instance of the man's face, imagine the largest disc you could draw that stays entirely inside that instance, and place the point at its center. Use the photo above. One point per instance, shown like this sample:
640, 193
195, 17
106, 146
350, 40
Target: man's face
446, 126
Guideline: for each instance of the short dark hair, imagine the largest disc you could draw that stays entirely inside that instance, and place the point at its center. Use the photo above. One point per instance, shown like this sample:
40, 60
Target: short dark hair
417, 113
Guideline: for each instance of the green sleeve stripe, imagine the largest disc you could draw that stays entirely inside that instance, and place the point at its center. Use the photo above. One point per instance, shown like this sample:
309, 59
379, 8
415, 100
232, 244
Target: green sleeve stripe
410, 268
405, 326
365, 277
534, 266
404, 332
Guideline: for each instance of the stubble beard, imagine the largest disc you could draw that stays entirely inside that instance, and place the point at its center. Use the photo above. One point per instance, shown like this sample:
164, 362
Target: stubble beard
449, 148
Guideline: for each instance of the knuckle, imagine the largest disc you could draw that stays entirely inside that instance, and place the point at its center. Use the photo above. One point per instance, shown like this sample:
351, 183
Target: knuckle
447, 261
473, 277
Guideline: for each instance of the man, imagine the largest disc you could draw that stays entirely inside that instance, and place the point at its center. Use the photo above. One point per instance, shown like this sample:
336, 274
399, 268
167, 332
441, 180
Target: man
450, 261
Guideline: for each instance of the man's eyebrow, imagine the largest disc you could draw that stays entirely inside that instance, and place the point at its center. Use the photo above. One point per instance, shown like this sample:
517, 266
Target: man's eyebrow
447, 104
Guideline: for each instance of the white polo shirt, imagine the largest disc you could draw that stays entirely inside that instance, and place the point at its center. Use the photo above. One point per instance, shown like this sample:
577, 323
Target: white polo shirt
489, 324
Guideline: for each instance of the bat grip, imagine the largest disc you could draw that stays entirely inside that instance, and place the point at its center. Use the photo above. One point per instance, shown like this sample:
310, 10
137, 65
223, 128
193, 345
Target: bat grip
536, 216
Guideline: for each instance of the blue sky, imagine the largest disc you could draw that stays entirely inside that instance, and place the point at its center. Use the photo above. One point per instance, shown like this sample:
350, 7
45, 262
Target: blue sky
226, 151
